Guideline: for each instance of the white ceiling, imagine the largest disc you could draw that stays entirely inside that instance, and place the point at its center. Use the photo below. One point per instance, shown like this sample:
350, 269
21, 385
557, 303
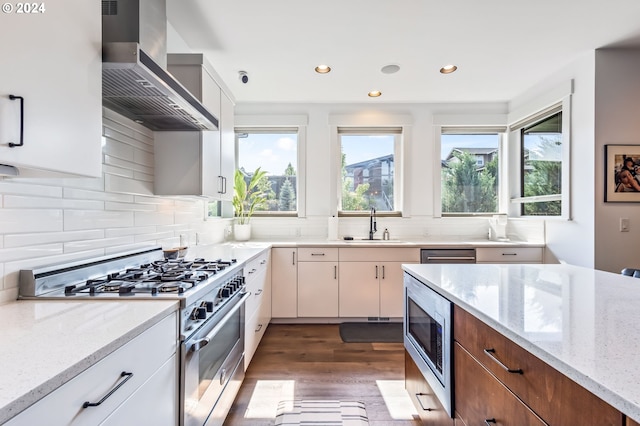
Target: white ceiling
501, 47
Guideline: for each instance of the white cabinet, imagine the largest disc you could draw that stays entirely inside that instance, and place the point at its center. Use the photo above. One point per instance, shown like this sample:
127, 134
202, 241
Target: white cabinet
509, 255
258, 306
371, 281
227, 148
142, 376
317, 282
182, 163
197, 163
53, 61
284, 282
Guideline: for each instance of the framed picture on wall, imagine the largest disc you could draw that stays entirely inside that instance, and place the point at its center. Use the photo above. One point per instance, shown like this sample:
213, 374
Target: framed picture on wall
622, 173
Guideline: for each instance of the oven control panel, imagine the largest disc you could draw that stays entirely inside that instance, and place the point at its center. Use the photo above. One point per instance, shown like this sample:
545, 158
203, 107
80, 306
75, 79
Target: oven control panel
198, 312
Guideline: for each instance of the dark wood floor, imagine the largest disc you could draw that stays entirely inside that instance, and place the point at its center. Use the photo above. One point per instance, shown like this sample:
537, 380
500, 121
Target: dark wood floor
312, 362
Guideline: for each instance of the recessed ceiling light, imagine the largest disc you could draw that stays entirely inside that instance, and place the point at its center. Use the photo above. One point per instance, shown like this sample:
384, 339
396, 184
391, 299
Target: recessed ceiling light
323, 69
374, 93
390, 69
448, 69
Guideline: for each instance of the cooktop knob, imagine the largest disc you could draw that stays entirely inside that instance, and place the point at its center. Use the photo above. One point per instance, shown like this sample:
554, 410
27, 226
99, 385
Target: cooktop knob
226, 292
199, 313
208, 306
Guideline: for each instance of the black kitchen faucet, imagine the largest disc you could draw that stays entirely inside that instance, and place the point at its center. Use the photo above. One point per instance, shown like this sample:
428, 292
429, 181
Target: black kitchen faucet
372, 223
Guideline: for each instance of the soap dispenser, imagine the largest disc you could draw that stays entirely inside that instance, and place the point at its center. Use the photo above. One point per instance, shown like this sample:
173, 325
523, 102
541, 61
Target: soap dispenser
385, 234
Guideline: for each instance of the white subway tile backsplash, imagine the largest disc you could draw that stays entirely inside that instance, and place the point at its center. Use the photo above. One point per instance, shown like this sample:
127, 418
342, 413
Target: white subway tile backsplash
16, 186
30, 252
118, 171
75, 220
85, 245
16, 202
133, 166
128, 186
81, 194
30, 220
114, 148
136, 230
130, 207
32, 239
153, 218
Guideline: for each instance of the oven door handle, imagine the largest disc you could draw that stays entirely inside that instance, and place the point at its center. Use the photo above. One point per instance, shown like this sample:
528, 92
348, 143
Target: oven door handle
201, 343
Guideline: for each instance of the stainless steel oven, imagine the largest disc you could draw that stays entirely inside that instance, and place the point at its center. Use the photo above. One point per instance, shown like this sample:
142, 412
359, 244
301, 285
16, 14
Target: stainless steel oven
428, 337
213, 365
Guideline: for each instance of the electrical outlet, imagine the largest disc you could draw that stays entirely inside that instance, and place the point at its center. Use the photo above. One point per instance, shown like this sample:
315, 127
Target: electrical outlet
624, 224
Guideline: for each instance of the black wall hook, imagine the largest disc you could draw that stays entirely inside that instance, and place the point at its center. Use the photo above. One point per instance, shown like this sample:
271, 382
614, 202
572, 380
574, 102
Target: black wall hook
13, 98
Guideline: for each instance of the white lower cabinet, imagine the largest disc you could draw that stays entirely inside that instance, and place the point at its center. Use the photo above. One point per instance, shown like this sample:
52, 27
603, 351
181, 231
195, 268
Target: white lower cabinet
258, 306
284, 282
142, 377
371, 281
318, 282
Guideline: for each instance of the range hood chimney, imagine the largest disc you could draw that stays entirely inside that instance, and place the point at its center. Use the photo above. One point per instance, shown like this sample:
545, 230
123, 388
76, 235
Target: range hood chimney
135, 82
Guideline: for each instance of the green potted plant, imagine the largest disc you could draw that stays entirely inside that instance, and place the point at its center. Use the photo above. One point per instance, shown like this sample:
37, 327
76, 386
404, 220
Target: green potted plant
246, 198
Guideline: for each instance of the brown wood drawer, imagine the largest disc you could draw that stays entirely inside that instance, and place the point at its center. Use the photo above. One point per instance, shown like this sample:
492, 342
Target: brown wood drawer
480, 399
427, 404
631, 422
553, 396
320, 254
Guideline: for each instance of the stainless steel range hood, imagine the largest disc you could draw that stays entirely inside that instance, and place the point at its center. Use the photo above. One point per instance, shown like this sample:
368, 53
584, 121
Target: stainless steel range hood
135, 82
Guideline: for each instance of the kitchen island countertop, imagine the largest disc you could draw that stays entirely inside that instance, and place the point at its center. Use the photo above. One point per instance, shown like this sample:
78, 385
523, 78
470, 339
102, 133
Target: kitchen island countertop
580, 321
46, 343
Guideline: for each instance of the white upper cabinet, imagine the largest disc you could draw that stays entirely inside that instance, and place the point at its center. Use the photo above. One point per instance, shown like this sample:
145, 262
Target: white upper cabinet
197, 163
52, 60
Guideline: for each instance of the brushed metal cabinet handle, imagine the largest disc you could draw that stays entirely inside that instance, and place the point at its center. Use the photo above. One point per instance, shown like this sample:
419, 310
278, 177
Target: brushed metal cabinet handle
490, 352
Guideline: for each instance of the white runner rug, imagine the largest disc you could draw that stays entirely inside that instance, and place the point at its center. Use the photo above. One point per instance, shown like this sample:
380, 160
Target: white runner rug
321, 413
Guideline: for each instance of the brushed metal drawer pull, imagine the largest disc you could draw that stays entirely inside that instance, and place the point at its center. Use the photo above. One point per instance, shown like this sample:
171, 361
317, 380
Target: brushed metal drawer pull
21, 99
487, 421
317, 254
451, 258
509, 254
259, 328
263, 261
420, 402
258, 293
490, 352
104, 398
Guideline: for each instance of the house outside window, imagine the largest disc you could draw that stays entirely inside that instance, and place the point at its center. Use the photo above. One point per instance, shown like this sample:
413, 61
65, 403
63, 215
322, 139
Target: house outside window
274, 150
470, 160
368, 169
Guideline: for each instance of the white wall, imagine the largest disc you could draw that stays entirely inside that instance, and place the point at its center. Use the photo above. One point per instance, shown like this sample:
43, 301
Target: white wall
48, 221
617, 121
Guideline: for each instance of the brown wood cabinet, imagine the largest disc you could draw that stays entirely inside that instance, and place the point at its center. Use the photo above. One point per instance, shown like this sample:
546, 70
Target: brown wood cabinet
427, 404
482, 400
551, 395
631, 422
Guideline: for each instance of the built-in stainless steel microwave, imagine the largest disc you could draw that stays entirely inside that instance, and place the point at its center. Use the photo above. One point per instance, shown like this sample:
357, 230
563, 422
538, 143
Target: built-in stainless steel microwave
428, 337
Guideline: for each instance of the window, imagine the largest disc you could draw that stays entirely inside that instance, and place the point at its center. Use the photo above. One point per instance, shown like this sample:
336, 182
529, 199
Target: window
274, 150
541, 160
369, 163
469, 170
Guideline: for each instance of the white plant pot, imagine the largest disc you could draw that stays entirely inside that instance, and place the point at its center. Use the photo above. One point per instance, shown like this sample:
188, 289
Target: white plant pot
242, 232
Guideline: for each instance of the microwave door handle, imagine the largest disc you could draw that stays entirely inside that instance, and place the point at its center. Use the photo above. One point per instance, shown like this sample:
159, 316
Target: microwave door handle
201, 343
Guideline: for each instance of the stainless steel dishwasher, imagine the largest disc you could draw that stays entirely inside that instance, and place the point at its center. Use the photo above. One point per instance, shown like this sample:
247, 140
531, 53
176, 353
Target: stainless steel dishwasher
448, 255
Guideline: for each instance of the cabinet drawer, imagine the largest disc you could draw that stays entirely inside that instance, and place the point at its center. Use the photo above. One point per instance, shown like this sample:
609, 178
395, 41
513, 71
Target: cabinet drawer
256, 265
318, 254
142, 356
395, 254
257, 288
509, 255
426, 403
479, 397
255, 327
541, 387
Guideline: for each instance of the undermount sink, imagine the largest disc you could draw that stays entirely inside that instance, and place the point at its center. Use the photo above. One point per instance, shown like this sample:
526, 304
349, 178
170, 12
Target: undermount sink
374, 241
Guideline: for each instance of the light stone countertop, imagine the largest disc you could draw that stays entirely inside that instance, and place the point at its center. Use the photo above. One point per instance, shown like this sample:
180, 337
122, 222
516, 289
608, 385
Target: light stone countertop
442, 242
44, 344
580, 321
